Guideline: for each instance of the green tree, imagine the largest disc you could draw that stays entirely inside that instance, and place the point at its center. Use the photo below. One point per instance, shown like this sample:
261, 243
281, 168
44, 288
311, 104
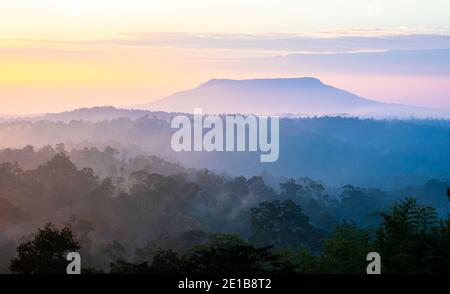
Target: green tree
346, 250
46, 253
407, 237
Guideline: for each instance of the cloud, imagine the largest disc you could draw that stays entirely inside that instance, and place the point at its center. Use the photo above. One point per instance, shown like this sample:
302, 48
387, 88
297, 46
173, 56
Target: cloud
284, 42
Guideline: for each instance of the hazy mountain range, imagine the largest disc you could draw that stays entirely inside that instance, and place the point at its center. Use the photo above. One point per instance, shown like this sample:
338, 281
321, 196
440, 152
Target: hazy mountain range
293, 96
288, 97
336, 150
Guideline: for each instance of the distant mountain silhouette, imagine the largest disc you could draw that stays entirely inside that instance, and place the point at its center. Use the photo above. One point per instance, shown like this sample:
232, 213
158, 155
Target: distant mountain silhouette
288, 97
100, 113
296, 96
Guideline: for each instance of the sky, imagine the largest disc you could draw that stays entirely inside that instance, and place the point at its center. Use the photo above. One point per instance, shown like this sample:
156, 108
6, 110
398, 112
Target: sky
64, 54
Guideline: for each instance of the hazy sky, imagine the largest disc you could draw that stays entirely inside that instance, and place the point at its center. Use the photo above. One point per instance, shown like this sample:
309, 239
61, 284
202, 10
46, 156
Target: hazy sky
62, 17
58, 55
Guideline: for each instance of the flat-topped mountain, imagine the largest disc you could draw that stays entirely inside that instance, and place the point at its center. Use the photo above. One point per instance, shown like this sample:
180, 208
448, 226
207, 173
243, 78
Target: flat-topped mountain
264, 96
298, 96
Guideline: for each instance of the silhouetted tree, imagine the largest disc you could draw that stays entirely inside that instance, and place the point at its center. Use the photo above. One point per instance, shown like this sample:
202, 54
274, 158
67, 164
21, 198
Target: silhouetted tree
229, 254
126, 267
46, 253
166, 261
282, 224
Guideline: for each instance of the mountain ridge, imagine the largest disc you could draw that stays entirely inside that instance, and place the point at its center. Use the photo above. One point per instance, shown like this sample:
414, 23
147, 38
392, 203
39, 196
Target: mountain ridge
266, 96
275, 96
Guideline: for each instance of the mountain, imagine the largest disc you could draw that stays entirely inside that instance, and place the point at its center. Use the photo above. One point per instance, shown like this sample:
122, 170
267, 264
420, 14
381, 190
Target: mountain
287, 97
295, 96
93, 114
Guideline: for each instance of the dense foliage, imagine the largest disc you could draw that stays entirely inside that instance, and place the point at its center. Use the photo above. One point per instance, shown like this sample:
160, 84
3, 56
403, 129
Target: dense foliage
147, 215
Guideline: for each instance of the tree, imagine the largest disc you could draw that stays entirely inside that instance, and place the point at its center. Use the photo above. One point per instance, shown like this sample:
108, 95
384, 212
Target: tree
223, 254
346, 250
229, 254
125, 267
408, 236
290, 189
167, 262
282, 224
46, 253
359, 204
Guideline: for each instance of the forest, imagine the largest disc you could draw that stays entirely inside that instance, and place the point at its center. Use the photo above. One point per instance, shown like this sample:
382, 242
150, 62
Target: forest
144, 214
386, 154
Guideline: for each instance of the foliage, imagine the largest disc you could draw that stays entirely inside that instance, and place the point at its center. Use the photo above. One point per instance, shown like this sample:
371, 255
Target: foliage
282, 224
346, 250
46, 253
147, 215
410, 238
